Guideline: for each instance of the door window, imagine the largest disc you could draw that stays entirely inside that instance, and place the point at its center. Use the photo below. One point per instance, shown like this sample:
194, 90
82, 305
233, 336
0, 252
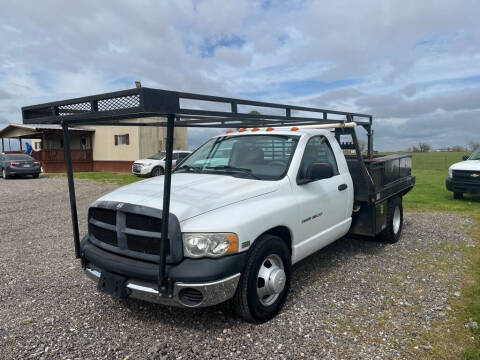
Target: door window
318, 150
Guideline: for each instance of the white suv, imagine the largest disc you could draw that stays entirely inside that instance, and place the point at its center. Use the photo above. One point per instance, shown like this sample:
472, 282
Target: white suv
154, 165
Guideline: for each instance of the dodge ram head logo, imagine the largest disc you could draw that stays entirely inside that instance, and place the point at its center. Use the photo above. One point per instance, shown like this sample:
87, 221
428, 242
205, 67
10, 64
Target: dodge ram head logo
475, 175
119, 205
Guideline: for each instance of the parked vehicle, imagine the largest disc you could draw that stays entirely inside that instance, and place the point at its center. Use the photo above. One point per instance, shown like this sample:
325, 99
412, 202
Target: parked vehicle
464, 176
18, 165
239, 211
154, 165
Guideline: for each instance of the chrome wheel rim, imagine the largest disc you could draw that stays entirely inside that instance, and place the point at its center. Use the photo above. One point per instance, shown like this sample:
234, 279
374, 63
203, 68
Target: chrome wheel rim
396, 220
271, 279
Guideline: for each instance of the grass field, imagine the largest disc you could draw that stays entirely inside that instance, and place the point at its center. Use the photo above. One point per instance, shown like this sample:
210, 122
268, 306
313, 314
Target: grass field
429, 194
449, 338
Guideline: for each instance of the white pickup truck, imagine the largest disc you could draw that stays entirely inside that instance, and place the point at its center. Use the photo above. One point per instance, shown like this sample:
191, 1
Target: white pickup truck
464, 176
237, 213
239, 224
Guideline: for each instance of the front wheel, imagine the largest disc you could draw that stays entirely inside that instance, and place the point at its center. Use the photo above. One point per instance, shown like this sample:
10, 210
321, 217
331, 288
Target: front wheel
458, 195
265, 282
393, 231
156, 172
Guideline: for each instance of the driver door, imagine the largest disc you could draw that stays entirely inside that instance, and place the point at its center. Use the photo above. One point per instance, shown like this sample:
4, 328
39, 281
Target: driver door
321, 202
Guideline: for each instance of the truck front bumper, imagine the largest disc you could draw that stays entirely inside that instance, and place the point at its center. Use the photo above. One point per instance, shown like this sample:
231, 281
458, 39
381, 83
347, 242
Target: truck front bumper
195, 282
463, 186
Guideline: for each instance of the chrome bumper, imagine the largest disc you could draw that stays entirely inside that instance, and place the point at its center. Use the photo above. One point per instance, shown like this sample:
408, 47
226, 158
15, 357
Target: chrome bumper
213, 292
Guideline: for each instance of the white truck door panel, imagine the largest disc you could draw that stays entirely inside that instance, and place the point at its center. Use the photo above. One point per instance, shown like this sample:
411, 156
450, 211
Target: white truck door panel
322, 218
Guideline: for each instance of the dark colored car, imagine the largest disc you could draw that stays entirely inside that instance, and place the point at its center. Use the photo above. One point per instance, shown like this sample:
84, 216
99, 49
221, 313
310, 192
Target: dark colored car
18, 164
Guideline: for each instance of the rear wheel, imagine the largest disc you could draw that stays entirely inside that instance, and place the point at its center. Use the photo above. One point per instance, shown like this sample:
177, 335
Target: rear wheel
35, 176
265, 282
458, 195
4, 174
392, 233
157, 171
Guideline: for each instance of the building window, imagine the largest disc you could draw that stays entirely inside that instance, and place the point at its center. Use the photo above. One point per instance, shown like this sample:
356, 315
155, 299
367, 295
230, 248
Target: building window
122, 139
38, 145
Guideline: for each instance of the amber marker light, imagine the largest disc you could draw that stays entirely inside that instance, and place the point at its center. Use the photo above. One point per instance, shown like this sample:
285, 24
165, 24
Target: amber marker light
229, 131
294, 128
242, 130
269, 129
233, 240
255, 129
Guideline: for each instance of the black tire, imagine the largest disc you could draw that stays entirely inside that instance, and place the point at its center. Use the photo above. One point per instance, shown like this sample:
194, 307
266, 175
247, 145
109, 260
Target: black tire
35, 176
246, 300
4, 174
157, 171
392, 233
458, 195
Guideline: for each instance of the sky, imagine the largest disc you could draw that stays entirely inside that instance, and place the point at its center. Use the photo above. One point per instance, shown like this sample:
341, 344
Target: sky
413, 65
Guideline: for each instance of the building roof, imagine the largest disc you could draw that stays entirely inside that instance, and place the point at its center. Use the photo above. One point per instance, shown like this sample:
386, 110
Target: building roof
34, 130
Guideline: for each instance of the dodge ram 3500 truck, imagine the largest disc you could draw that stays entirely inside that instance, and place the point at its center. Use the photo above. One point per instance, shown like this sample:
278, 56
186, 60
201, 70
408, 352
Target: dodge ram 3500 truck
238, 212
464, 176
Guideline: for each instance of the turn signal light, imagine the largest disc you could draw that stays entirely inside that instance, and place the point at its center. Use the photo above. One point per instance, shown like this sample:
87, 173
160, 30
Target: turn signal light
294, 128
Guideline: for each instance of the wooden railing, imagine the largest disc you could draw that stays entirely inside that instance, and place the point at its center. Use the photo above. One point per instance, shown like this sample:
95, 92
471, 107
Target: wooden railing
59, 155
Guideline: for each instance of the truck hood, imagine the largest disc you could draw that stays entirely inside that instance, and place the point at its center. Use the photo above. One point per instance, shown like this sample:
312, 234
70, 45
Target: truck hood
192, 194
472, 165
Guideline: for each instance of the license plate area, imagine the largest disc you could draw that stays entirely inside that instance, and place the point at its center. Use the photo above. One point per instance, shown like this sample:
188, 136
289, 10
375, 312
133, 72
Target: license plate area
113, 285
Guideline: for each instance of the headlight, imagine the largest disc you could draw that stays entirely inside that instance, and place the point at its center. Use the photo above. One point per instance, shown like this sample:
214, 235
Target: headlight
450, 172
197, 245
147, 164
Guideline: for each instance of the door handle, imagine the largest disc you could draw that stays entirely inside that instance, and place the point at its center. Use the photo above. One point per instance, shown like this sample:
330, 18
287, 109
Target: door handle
342, 187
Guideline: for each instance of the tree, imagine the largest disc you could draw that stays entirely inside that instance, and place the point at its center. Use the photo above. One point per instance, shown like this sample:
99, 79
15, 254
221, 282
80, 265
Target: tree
415, 149
424, 147
254, 112
458, 148
473, 145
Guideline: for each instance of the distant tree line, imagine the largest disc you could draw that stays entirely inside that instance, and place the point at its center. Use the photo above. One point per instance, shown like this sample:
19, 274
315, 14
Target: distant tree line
424, 147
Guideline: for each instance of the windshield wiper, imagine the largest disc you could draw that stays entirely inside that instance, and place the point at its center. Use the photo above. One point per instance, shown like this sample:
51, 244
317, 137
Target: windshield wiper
234, 169
196, 169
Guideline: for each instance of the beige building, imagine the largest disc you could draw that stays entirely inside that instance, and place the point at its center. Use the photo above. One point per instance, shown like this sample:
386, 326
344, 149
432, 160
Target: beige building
96, 148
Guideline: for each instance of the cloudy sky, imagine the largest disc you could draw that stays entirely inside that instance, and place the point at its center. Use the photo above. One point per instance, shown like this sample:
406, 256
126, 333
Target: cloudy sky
414, 65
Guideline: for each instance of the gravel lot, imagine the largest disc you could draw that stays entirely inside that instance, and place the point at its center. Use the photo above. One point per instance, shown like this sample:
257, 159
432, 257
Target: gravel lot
354, 299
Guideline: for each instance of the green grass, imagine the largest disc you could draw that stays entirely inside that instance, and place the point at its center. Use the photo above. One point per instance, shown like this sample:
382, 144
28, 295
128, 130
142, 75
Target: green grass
104, 177
430, 194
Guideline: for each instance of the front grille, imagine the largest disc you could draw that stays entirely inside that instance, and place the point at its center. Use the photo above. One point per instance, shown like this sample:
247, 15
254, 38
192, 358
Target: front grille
141, 244
105, 215
137, 167
107, 236
130, 232
142, 222
466, 176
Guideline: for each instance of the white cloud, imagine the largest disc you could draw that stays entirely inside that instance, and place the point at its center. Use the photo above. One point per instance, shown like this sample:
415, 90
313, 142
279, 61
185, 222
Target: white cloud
408, 57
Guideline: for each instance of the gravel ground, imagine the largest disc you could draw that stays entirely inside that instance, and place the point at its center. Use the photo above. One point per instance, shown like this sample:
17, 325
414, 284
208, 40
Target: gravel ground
355, 299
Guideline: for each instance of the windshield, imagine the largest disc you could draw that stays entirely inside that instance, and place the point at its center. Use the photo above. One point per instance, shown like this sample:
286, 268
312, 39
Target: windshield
264, 157
157, 156
475, 155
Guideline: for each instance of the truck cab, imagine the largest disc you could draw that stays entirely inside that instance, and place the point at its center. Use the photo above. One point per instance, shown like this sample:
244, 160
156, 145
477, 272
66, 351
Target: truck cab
464, 176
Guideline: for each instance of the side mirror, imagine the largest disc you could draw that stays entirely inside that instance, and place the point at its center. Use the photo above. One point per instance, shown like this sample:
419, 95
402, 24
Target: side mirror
317, 171
465, 157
